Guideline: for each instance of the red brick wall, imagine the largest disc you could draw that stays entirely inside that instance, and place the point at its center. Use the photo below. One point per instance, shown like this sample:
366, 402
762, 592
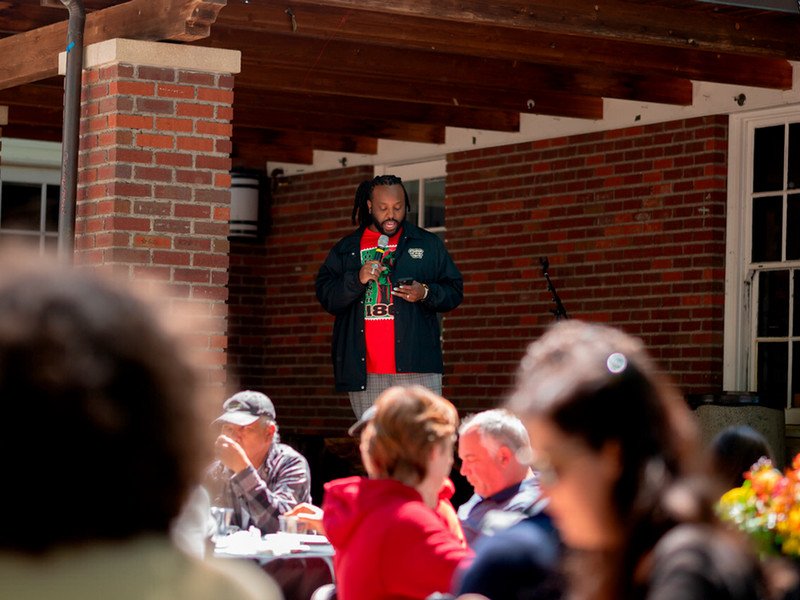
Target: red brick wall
632, 220
153, 197
279, 335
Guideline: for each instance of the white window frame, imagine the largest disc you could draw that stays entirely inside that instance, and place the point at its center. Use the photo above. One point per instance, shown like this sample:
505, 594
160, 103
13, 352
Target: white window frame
31, 176
417, 172
739, 369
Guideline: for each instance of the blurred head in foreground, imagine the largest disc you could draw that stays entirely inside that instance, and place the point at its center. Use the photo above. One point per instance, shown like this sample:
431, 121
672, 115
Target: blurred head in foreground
609, 435
102, 432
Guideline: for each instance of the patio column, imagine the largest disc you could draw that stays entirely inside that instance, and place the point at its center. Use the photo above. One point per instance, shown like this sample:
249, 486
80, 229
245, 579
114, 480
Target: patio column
154, 181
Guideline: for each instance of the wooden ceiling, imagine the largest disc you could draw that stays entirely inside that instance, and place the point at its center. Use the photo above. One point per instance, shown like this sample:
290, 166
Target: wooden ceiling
341, 74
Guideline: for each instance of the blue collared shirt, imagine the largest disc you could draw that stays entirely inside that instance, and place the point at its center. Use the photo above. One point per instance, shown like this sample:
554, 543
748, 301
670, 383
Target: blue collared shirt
523, 498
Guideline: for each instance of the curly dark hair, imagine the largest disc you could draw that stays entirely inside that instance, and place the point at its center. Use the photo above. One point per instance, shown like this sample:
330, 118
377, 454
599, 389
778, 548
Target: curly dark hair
103, 436
364, 194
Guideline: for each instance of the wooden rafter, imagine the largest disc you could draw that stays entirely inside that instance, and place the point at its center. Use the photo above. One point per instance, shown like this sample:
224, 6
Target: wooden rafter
340, 74
33, 55
468, 38
718, 28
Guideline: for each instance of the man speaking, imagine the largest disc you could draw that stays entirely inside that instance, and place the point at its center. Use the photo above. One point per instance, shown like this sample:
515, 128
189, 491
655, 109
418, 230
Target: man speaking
385, 284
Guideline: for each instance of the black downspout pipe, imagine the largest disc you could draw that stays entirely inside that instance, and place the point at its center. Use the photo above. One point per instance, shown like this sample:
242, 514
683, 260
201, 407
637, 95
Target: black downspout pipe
70, 131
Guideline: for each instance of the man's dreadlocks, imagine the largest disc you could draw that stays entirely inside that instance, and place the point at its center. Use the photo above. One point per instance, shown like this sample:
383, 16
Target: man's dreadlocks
364, 193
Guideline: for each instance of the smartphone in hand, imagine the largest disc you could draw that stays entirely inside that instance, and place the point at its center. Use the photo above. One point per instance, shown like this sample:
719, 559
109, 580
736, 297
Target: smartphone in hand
404, 281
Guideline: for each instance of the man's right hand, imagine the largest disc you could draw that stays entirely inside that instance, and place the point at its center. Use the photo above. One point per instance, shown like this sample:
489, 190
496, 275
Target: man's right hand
231, 454
370, 270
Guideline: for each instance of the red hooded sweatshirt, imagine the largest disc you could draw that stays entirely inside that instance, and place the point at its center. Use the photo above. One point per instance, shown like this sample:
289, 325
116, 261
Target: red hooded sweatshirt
389, 544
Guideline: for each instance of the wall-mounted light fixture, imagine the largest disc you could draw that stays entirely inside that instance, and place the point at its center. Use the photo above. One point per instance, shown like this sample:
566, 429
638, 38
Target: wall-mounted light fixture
246, 205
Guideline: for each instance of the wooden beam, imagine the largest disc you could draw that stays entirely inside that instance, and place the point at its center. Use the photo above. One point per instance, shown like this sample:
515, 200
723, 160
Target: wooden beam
256, 156
256, 146
396, 110
35, 116
33, 55
686, 24
346, 60
386, 87
17, 17
302, 120
45, 93
493, 40
320, 141
28, 131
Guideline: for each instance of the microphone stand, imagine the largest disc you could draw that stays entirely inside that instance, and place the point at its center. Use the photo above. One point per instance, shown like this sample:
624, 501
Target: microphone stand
559, 310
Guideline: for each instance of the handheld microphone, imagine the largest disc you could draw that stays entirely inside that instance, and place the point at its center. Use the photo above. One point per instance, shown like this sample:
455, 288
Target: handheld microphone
380, 251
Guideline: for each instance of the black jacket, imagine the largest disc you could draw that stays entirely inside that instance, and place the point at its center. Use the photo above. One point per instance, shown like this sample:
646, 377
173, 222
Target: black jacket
420, 255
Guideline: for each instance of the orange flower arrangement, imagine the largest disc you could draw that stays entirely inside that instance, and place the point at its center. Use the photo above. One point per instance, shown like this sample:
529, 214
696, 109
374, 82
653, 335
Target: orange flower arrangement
767, 507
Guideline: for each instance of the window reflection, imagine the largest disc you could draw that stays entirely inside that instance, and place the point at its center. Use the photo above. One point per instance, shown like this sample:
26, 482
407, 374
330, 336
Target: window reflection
773, 303
21, 206
793, 168
767, 228
773, 364
434, 202
29, 214
768, 159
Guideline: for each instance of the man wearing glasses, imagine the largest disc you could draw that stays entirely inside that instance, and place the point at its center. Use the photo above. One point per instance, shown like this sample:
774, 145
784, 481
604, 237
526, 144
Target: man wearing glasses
255, 474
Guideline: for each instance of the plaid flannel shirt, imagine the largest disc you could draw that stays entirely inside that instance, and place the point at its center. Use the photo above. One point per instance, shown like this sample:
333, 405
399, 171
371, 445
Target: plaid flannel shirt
258, 496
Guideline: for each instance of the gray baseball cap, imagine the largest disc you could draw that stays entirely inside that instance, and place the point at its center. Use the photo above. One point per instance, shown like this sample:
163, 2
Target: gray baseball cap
367, 416
244, 408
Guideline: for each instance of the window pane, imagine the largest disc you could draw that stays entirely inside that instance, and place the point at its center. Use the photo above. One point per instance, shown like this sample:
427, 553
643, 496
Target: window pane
412, 187
51, 245
796, 308
796, 374
20, 240
21, 206
768, 159
773, 369
773, 303
434, 202
53, 198
792, 227
767, 228
793, 179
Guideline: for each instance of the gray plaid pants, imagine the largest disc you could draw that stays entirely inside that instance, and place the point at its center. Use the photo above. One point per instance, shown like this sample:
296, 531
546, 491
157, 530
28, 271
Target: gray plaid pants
376, 383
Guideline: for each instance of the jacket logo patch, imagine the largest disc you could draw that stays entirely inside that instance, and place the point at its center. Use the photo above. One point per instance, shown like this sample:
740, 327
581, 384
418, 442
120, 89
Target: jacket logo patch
416, 252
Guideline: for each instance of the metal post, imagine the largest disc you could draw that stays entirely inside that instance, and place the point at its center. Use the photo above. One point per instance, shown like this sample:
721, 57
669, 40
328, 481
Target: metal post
70, 134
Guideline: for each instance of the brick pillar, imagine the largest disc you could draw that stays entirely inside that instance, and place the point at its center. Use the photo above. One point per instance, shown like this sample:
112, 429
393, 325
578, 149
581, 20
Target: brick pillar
154, 182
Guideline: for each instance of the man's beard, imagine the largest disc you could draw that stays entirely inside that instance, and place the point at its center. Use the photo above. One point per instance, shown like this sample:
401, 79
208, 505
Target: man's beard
379, 226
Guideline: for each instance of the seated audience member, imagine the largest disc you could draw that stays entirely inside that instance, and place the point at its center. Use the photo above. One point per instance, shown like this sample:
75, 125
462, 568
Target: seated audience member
389, 541
444, 508
733, 451
104, 445
311, 517
615, 448
518, 563
255, 474
493, 446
